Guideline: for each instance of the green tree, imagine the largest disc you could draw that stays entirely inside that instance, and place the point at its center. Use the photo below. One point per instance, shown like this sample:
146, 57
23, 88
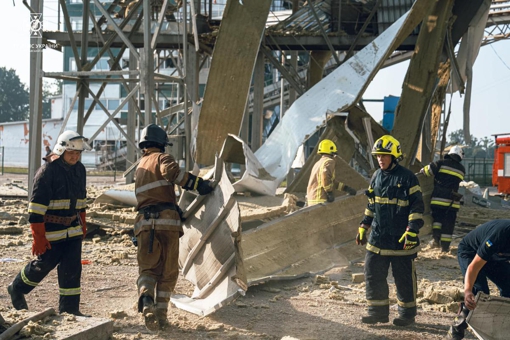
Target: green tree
50, 89
479, 148
13, 97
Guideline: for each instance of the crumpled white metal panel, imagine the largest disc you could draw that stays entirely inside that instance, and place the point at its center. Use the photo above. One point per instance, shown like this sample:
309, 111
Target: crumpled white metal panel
489, 320
336, 92
209, 252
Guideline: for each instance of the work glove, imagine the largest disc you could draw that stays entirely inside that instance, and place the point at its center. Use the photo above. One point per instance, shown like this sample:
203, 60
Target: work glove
39, 243
330, 196
420, 173
410, 239
361, 238
83, 224
204, 186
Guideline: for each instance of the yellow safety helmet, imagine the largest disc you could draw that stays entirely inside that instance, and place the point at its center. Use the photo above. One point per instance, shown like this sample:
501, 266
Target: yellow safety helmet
327, 147
387, 145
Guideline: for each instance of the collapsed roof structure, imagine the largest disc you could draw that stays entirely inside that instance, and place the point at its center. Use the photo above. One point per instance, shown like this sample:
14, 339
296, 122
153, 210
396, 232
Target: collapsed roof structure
348, 41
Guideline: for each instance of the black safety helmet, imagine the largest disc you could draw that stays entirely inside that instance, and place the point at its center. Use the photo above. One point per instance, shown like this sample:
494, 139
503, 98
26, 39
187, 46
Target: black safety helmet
153, 134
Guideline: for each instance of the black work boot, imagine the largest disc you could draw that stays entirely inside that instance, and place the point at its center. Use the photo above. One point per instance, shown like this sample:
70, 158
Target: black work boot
17, 298
403, 321
373, 319
146, 304
455, 333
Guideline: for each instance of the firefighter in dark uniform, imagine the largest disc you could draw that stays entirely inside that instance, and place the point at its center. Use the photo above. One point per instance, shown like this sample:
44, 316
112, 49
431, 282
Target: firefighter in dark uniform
322, 180
394, 212
158, 224
57, 220
484, 253
445, 201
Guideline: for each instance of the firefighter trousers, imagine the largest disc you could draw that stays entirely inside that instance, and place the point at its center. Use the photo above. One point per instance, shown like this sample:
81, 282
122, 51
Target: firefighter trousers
377, 290
66, 256
496, 271
443, 225
159, 270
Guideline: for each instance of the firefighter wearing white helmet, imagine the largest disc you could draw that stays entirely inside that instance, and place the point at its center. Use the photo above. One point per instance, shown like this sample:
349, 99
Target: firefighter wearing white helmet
57, 221
394, 214
323, 182
158, 224
445, 200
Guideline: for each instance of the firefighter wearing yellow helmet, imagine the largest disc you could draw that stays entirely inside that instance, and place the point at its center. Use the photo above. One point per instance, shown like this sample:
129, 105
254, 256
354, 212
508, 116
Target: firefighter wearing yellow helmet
394, 212
322, 182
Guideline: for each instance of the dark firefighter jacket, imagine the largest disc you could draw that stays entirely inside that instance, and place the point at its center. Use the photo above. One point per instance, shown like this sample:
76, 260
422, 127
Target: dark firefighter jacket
394, 202
448, 173
155, 178
59, 191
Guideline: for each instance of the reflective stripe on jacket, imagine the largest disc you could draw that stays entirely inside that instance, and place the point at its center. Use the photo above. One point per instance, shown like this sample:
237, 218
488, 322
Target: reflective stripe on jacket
394, 202
155, 178
448, 173
59, 190
322, 180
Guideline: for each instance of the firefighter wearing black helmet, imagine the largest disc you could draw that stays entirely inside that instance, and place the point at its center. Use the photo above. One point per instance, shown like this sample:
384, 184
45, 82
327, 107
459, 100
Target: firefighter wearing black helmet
394, 213
158, 224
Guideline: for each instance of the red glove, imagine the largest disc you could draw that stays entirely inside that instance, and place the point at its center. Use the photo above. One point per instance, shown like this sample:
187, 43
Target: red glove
83, 223
40, 243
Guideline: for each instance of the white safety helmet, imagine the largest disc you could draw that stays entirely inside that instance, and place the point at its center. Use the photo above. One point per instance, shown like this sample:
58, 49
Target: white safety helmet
69, 140
456, 150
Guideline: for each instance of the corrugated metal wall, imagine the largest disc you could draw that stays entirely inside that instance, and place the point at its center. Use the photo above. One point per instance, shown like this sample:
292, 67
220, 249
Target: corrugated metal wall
390, 10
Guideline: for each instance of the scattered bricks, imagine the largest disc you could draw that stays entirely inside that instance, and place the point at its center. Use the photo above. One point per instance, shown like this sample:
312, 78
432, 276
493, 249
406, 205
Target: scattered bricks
453, 307
438, 297
118, 314
320, 279
105, 215
358, 278
335, 294
11, 230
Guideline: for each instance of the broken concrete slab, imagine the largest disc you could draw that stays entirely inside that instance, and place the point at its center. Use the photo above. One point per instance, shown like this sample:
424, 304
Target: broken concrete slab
65, 326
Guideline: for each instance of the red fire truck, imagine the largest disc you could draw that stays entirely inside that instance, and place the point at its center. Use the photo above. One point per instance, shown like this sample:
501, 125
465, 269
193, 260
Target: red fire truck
501, 167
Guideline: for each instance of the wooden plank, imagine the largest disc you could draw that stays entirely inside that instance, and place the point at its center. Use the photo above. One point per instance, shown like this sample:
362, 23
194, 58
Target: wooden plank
420, 80
229, 79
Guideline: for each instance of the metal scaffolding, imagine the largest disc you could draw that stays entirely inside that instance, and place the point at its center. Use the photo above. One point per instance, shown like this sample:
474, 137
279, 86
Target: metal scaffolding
183, 33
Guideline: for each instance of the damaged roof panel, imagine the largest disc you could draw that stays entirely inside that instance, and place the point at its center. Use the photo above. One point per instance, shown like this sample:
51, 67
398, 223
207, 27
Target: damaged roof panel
337, 92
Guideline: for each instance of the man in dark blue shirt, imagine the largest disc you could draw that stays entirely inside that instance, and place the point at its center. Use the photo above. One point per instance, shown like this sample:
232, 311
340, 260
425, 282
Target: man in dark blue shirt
483, 254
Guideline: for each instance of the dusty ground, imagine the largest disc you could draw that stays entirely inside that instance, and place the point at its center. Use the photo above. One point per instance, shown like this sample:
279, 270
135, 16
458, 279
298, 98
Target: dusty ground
327, 307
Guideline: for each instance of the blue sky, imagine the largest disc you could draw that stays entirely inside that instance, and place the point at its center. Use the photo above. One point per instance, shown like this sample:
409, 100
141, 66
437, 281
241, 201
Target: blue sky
490, 102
